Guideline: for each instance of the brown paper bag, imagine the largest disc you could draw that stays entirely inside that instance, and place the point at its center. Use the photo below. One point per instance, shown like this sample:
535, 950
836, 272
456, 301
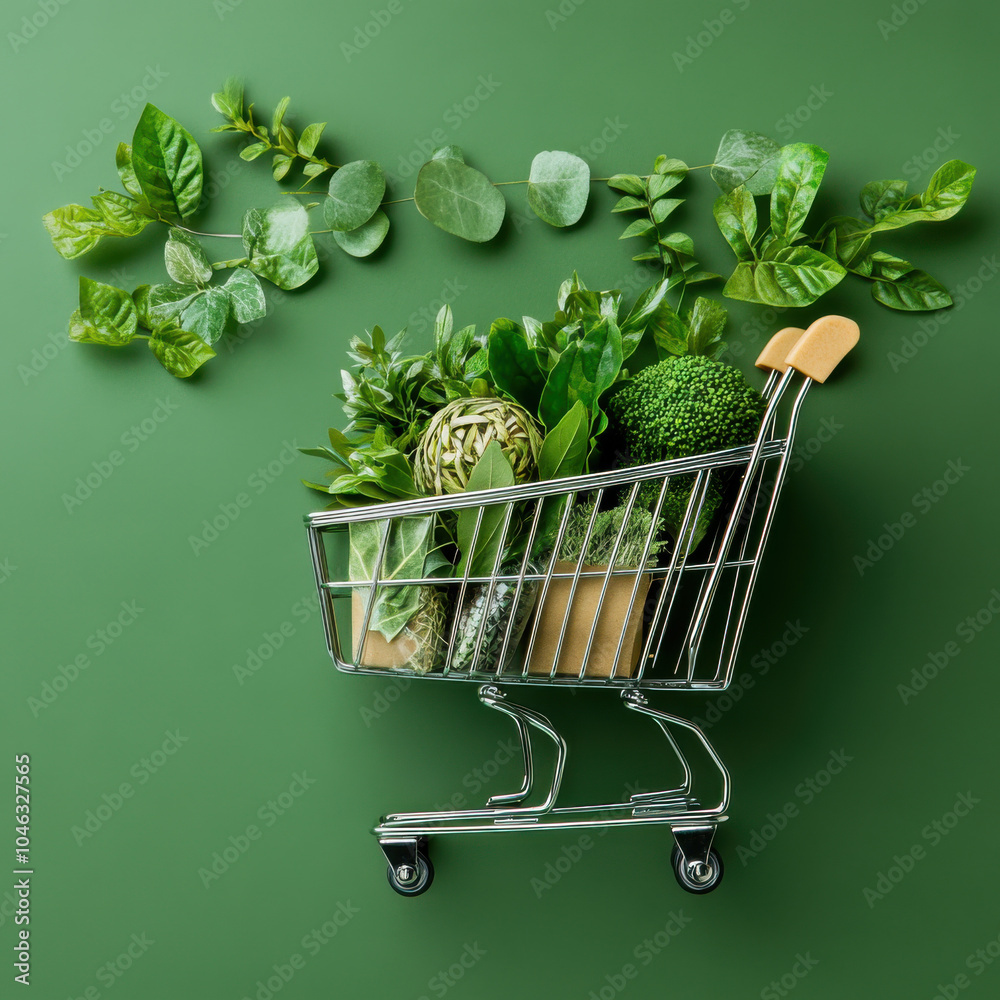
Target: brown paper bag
377, 652
611, 624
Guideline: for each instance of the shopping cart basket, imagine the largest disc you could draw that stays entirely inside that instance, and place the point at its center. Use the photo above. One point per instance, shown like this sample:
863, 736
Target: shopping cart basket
671, 618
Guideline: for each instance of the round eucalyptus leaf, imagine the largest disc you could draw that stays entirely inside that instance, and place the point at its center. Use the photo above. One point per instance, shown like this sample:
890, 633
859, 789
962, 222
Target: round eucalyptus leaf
458, 199
558, 187
356, 191
365, 239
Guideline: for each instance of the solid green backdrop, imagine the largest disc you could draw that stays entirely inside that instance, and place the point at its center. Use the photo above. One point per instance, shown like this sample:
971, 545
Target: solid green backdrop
127, 652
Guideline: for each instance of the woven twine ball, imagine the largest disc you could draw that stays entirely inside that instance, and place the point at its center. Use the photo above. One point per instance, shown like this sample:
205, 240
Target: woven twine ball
458, 434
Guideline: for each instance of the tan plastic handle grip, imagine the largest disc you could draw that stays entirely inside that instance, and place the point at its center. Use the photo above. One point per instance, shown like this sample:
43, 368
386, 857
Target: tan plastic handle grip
823, 346
772, 358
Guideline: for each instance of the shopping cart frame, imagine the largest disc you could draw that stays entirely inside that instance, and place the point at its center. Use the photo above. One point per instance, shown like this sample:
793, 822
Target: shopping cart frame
728, 573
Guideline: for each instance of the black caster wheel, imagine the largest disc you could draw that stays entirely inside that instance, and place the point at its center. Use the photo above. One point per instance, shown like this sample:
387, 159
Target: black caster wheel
697, 878
408, 880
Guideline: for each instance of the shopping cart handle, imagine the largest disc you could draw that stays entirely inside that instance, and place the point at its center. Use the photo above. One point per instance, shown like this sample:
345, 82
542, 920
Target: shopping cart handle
823, 346
772, 358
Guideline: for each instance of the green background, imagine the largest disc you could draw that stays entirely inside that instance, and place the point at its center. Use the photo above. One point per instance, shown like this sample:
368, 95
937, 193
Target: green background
553, 83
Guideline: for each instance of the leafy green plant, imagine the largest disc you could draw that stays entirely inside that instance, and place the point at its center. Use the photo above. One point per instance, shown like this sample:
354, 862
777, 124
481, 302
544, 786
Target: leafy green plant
782, 265
162, 173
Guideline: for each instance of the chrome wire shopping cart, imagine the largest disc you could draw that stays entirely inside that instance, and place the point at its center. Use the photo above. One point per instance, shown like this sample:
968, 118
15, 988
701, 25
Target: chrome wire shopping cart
670, 617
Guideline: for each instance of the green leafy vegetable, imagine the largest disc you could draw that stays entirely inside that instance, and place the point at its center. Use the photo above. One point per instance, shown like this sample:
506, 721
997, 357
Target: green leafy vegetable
180, 352
185, 259
279, 244
492, 471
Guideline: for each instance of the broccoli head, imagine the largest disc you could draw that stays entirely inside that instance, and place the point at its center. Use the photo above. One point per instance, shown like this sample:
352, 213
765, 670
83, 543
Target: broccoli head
680, 407
684, 406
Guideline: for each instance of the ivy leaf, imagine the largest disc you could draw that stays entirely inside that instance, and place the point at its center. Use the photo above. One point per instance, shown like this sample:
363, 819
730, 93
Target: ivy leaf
736, 217
167, 163
310, 137
459, 199
797, 276
246, 297
106, 315
355, 193
512, 364
159, 305
182, 353
746, 158
279, 244
365, 239
558, 187
706, 322
207, 313
628, 184
123, 161
185, 259
800, 174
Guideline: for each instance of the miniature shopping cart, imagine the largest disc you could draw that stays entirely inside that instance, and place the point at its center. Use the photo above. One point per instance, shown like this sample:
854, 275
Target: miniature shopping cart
671, 621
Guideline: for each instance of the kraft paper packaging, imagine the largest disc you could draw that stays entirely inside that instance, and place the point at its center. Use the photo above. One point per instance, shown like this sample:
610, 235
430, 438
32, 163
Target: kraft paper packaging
611, 615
